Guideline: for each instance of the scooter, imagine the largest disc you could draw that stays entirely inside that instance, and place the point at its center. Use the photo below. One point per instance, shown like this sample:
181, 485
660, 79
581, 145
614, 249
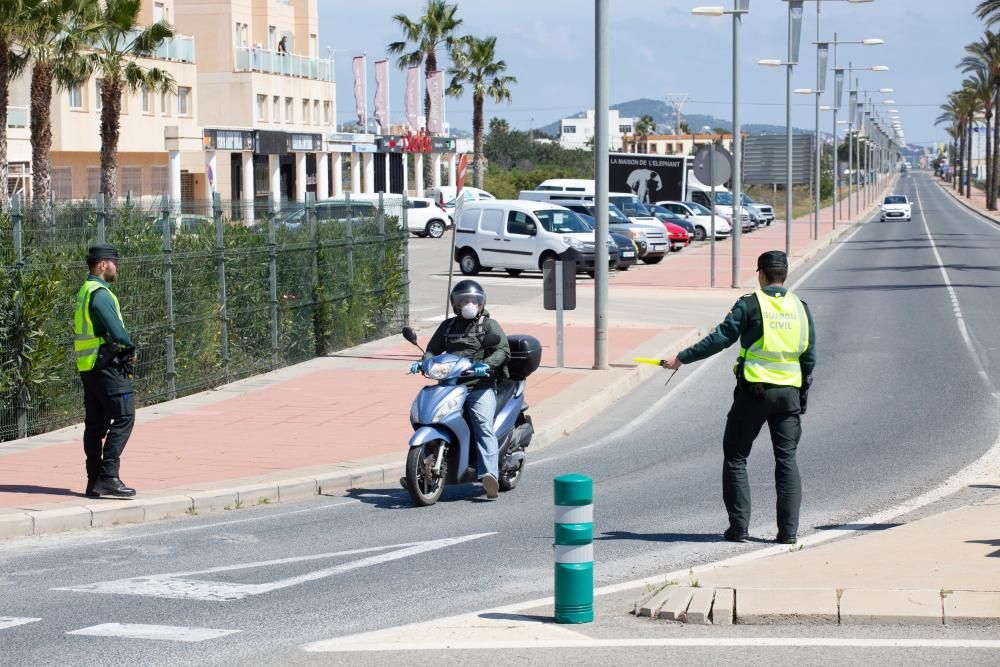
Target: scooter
442, 448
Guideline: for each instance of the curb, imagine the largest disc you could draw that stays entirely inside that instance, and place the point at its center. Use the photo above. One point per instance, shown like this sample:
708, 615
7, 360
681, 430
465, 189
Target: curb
337, 478
986, 215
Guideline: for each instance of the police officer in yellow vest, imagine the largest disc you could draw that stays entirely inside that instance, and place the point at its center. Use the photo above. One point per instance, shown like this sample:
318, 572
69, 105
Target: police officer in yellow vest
105, 357
773, 374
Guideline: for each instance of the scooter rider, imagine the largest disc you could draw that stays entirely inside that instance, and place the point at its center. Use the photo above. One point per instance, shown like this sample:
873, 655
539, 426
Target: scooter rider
463, 336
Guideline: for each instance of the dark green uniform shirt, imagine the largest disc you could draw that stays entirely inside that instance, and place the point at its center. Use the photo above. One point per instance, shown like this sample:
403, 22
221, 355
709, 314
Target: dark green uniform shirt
744, 323
103, 314
462, 337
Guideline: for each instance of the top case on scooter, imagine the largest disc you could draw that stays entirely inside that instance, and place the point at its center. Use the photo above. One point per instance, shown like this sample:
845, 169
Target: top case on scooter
525, 356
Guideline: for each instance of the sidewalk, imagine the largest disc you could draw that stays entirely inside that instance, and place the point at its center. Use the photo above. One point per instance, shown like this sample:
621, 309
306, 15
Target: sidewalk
337, 422
976, 203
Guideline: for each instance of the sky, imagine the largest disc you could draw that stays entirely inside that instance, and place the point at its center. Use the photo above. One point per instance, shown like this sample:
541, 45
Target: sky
659, 48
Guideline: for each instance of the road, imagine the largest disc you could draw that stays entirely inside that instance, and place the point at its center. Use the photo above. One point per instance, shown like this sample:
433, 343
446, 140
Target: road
902, 400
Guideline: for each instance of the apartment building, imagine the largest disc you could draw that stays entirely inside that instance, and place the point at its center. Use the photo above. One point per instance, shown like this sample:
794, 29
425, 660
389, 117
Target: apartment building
578, 133
673, 144
266, 98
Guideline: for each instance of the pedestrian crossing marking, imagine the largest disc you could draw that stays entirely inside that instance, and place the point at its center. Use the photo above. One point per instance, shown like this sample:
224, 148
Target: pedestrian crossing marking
13, 621
176, 633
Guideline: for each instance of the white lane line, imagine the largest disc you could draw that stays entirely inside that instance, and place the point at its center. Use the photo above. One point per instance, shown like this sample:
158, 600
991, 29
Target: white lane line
14, 621
174, 633
956, 306
332, 646
176, 585
992, 224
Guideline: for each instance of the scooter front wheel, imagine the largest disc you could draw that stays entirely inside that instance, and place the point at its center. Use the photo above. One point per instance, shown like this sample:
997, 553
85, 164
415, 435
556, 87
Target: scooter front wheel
423, 485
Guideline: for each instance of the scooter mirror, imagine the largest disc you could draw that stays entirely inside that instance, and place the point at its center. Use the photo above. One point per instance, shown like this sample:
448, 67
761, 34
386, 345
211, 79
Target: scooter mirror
409, 335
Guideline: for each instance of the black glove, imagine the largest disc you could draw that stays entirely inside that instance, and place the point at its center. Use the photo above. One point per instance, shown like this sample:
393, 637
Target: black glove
804, 394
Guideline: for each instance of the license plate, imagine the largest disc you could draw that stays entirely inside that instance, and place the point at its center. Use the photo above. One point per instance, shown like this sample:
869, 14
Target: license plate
658, 246
628, 254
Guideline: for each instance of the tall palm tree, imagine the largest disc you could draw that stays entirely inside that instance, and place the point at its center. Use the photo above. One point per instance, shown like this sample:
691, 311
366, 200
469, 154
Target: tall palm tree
988, 10
952, 116
644, 127
118, 41
475, 63
983, 61
52, 40
11, 21
422, 39
980, 87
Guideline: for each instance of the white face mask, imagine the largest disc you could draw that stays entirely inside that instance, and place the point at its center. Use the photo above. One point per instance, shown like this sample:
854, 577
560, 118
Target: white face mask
469, 311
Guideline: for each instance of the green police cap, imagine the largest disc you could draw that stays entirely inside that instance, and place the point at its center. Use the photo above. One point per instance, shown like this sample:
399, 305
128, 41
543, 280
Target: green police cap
102, 251
772, 259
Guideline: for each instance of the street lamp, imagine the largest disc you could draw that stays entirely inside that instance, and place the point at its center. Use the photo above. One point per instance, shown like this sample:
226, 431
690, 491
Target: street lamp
740, 7
852, 108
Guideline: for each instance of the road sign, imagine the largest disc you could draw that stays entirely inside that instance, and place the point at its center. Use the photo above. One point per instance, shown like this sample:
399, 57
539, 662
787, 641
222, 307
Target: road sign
720, 168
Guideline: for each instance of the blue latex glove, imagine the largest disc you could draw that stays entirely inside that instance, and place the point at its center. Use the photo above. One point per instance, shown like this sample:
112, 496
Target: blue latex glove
481, 370
415, 367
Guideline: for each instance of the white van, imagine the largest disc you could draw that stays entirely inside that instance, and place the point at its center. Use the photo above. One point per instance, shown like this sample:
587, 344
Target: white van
520, 235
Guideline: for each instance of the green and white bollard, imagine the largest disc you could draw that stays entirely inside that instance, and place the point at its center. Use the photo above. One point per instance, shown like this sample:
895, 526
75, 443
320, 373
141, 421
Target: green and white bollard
574, 499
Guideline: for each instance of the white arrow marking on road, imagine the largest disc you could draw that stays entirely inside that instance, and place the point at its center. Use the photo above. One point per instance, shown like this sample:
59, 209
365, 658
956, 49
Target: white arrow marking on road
175, 585
174, 633
13, 621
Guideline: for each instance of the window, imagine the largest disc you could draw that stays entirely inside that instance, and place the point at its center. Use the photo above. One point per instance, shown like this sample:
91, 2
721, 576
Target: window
492, 221
131, 181
144, 97
262, 107
289, 110
165, 103
305, 112
469, 220
313, 46
183, 101
62, 182
272, 38
517, 223
158, 181
93, 182
625, 129
98, 94
569, 129
276, 109
315, 112
158, 12
75, 97
652, 149
327, 113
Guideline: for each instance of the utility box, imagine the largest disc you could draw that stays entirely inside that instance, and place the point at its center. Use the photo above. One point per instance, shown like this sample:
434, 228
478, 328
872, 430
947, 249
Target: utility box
550, 287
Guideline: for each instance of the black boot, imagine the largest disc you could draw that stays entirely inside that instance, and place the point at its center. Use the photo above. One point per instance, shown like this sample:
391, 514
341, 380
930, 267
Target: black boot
90, 488
112, 486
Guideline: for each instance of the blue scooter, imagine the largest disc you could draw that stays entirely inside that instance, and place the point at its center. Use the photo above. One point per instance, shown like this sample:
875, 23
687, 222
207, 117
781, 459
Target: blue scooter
442, 448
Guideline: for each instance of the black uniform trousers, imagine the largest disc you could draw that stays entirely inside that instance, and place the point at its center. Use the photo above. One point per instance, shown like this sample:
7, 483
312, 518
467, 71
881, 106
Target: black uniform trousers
779, 408
110, 416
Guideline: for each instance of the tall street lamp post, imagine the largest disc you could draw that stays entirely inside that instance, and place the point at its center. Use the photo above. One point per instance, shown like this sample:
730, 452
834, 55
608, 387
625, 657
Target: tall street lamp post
740, 7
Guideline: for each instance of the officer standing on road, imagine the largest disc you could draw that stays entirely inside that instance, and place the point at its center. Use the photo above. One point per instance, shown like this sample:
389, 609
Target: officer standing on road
773, 375
105, 358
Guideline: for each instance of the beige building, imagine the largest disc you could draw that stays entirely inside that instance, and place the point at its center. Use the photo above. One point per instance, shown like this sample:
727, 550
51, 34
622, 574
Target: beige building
673, 144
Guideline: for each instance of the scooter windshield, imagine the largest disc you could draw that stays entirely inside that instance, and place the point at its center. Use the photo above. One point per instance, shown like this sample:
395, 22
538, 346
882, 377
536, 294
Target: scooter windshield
444, 367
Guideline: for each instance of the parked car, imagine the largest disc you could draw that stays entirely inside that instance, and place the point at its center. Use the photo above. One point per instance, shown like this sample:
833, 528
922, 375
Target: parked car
701, 218
664, 214
766, 210
446, 195
628, 251
679, 238
724, 205
517, 235
330, 210
896, 207
424, 217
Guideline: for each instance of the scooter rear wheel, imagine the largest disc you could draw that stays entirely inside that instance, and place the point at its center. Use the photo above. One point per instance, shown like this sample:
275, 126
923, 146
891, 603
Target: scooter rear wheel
423, 485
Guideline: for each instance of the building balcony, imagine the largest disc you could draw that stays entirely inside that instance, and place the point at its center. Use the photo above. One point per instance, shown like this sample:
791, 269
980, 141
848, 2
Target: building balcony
177, 48
272, 62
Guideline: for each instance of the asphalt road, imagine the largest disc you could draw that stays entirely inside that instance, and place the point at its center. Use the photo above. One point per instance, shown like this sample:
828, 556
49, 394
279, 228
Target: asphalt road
899, 404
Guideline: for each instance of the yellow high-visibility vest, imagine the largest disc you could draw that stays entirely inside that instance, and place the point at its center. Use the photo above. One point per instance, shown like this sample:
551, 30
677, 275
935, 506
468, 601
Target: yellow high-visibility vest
774, 359
85, 342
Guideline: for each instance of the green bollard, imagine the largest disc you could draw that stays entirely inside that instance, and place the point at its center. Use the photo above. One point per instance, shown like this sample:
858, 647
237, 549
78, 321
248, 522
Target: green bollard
574, 529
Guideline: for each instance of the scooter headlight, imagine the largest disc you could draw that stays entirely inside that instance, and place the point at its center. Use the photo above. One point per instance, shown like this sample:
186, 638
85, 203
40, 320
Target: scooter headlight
446, 408
440, 371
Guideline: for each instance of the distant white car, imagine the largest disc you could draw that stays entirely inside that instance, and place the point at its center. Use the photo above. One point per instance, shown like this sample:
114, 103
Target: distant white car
425, 218
896, 207
700, 217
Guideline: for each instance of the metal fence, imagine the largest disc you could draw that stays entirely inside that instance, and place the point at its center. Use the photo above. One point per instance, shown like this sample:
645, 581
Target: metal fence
208, 299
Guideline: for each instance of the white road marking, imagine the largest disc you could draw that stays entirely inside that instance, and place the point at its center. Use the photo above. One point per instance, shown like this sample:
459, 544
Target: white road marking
174, 633
177, 586
956, 306
13, 621
335, 646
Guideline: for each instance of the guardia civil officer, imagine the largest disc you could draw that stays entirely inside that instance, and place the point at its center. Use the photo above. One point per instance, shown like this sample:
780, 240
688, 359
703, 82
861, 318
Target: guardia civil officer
105, 357
773, 375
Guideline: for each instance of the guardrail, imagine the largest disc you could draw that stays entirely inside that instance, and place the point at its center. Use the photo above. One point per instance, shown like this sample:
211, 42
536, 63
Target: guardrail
250, 59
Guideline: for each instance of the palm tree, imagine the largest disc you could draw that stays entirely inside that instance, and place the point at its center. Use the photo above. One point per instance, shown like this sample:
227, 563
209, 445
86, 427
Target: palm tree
117, 43
988, 10
952, 116
980, 87
476, 64
644, 127
983, 61
52, 40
